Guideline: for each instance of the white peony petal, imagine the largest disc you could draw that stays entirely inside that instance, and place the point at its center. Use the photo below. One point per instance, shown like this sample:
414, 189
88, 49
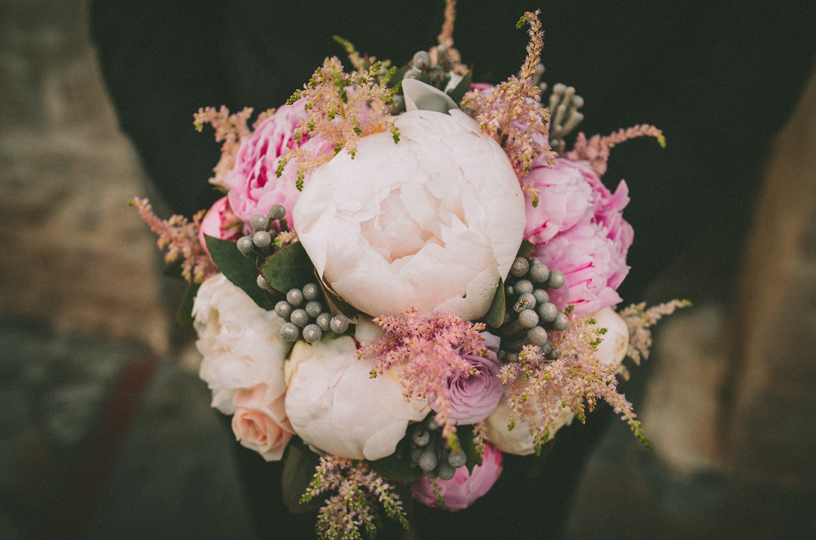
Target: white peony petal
334, 405
431, 223
239, 341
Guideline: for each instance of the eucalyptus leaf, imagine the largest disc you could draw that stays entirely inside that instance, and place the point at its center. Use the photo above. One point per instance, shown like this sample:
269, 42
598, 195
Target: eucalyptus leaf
298, 471
495, 315
462, 88
465, 434
525, 249
289, 268
241, 271
184, 314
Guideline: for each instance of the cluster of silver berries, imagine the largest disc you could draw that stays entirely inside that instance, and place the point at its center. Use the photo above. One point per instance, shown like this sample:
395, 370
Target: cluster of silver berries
431, 453
261, 243
529, 314
305, 317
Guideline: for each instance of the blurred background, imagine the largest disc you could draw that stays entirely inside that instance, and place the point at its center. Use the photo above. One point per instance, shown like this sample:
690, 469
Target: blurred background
106, 431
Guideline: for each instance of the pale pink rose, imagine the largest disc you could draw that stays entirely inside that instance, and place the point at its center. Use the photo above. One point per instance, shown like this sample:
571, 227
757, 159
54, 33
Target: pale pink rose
261, 426
578, 228
474, 397
220, 222
464, 488
253, 183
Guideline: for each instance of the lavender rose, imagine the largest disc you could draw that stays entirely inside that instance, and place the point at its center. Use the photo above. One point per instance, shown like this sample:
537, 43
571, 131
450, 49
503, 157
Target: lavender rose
253, 182
464, 488
474, 397
578, 229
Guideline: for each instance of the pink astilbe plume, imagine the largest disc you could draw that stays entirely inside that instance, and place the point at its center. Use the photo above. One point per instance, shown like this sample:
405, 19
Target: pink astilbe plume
427, 351
229, 128
444, 53
358, 488
538, 388
639, 319
180, 238
341, 108
596, 150
511, 112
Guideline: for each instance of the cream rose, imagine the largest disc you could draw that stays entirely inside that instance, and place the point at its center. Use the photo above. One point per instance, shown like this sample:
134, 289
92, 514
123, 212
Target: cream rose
240, 342
335, 406
520, 440
431, 223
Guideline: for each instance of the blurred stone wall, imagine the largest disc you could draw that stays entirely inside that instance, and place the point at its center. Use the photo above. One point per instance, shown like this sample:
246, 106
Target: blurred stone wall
74, 257
729, 404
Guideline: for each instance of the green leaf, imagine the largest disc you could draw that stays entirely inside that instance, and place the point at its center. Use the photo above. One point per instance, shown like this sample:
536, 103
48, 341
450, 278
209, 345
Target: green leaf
495, 315
288, 268
465, 434
241, 271
298, 470
462, 88
397, 468
173, 269
525, 249
538, 462
398, 76
185, 310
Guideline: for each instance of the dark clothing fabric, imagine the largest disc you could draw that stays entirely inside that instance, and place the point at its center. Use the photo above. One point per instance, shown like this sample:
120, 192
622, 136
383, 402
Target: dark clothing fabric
719, 78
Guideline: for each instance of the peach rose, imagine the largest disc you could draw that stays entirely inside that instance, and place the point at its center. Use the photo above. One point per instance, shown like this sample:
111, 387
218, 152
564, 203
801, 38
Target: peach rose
258, 426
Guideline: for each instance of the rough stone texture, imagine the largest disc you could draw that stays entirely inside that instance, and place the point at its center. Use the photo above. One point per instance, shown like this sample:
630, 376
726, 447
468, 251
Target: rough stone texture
683, 401
767, 442
730, 400
172, 475
75, 258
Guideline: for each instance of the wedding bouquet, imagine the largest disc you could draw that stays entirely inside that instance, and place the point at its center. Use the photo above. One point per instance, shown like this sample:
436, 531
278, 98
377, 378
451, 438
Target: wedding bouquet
408, 276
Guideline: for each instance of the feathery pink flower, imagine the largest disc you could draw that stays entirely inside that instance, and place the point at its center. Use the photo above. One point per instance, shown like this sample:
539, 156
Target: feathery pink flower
428, 352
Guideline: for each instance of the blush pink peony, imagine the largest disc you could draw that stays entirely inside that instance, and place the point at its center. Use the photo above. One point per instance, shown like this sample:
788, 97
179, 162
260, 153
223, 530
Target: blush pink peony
253, 184
464, 488
578, 228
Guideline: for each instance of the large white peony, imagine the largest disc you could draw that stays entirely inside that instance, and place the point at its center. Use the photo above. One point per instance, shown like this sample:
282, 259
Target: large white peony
335, 406
432, 222
241, 345
519, 441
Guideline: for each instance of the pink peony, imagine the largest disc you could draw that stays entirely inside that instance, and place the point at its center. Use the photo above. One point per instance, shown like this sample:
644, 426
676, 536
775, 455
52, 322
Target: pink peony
253, 184
220, 222
261, 426
579, 229
474, 397
464, 488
